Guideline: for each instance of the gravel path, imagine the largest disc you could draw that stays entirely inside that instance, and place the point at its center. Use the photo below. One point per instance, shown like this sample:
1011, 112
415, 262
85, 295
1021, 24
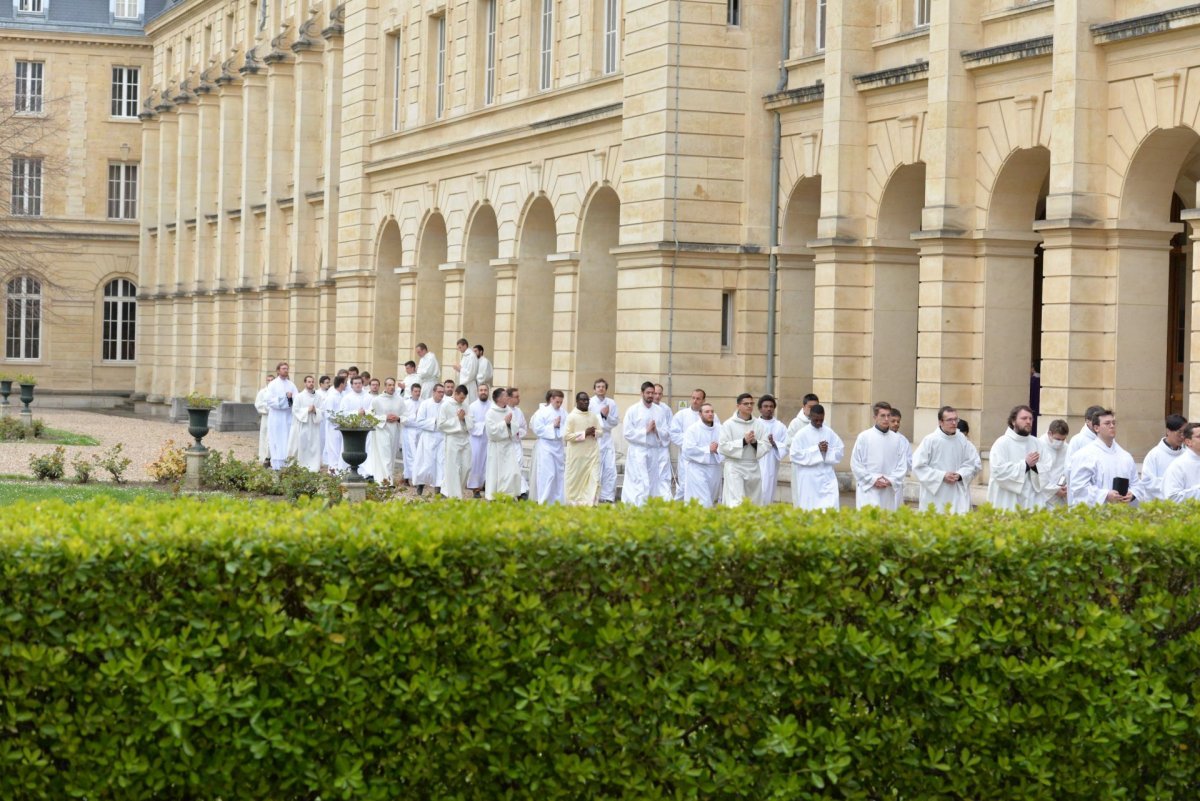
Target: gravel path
143, 439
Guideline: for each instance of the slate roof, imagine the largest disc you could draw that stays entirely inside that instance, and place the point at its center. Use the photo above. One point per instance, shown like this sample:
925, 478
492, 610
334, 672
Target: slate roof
79, 16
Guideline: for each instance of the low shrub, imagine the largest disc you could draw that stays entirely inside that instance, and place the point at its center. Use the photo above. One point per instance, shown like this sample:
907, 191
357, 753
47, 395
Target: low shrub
115, 463
13, 430
49, 466
84, 468
220, 648
294, 481
171, 464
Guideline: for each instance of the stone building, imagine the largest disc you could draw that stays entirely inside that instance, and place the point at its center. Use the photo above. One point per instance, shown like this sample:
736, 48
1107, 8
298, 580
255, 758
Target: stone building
71, 143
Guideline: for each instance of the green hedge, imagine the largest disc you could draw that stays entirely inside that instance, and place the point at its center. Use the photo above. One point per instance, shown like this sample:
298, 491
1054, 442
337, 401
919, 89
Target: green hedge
241, 650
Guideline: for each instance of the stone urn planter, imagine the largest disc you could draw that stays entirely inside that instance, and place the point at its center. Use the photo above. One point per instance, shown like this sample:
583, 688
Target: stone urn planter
27, 385
5, 391
198, 427
354, 450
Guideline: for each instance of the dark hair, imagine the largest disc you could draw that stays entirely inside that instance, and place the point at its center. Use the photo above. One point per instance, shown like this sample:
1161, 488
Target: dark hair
897, 413
743, 397
963, 426
422, 346
582, 394
478, 348
1092, 414
410, 363
809, 397
461, 389
1190, 429
647, 385
766, 398
1012, 416
498, 391
880, 406
463, 342
703, 394
817, 409
339, 381
554, 393
1176, 422
323, 378
353, 367
600, 381
1060, 427
307, 377
942, 412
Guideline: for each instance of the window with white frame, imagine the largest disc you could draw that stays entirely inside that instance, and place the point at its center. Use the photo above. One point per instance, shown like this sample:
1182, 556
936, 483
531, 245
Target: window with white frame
924, 12
23, 325
29, 85
397, 78
125, 9
125, 82
546, 45
489, 54
440, 68
122, 191
612, 23
822, 15
26, 187
120, 321
31, 7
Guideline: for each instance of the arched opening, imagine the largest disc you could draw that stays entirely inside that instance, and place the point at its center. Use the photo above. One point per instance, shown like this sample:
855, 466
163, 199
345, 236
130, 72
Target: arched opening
596, 343
533, 322
797, 295
389, 253
429, 303
479, 280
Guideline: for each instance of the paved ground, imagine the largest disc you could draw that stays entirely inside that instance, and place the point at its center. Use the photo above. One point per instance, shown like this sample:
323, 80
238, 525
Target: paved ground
143, 439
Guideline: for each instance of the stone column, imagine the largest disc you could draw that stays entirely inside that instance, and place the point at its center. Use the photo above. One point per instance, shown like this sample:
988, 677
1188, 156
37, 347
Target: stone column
183, 357
1192, 376
453, 277
281, 110
164, 270
796, 303
355, 316
206, 163
330, 162
506, 297
1007, 275
564, 346
147, 332
894, 312
248, 362
226, 248
842, 306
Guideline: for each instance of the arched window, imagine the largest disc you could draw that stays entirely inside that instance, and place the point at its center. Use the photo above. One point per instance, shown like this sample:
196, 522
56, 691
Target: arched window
120, 320
23, 331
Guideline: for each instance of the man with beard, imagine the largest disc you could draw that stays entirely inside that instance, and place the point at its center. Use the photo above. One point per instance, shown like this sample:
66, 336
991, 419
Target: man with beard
304, 441
683, 420
477, 418
504, 449
648, 435
701, 450
1015, 481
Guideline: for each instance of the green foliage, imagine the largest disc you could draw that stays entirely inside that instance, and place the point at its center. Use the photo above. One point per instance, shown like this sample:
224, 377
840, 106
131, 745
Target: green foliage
294, 481
232, 649
115, 463
355, 421
198, 400
25, 378
84, 469
49, 466
24, 489
171, 464
230, 474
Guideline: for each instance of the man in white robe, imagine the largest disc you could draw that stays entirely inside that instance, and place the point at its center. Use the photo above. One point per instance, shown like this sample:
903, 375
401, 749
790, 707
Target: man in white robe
681, 422
431, 448
610, 417
1085, 437
1094, 468
324, 386
700, 448
548, 425
333, 438
1052, 466
504, 449
744, 443
802, 417
945, 464
895, 417
777, 434
467, 368
1155, 465
477, 418
483, 370
454, 423
428, 371
411, 436
648, 440
280, 393
304, 442
409, 379
879, 462
391, 409
1015, 481
522, 428
668, 467
357, 400
815, 450
264, 413
1181, 482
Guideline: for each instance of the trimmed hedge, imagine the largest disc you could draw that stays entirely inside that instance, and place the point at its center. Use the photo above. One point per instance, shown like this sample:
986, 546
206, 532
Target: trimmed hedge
248, 650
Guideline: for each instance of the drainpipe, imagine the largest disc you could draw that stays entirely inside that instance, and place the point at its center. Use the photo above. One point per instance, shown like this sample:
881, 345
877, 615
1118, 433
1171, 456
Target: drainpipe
776, 148
669, 389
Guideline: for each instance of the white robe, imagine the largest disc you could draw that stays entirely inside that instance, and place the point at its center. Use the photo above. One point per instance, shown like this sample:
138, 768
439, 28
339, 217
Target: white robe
333, 438
1084, 437
680, 423
321, 394
814, 482
407, 382
431, 448
279, 419
504, 455
741, 473
610, 416
769, 465
468, 369
1154, 467
1052, 470
941, 453
702, 478
1181, 482
550, 453
458, 447
646, 454
412, 440
1012, 485
908, 462
264, 411
521, 428
381, 453
477, 416
304, 442
1093, 469
428, 371
878, 454
483, 372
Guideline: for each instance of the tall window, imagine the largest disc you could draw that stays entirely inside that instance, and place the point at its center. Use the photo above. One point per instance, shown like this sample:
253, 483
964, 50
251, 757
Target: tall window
26, 187
122, 191
489, 54
733, 12
23, 327
727, 320
924, 12
30, 6
126, 9
125, 82
612, 22
440, 68
547, 39
120, 321
397, 79
821, 16
29, 85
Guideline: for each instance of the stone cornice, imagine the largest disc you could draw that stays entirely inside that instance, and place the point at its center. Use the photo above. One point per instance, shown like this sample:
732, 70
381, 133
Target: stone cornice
799, 96
1146, 25
1003, 54
893, 76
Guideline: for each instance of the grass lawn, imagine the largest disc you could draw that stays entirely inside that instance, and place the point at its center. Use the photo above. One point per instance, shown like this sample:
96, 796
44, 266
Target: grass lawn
57, 436
12, 491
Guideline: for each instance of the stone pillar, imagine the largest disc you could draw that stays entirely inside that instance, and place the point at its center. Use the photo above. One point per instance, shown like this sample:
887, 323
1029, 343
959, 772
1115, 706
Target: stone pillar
506, 298
195, 463
796, 303
247, 339
453, 277
148, 240
303, 348
842, 297
305, 163
226, 247
894, 308
204, 348
564, 346
405, 296
1191, 409
331, 158
249, 251
1007, 273
355, 316
164, 270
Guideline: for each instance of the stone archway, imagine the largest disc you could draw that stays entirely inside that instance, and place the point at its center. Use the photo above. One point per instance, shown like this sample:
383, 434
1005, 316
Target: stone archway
429, 299
533, 305
389, 253
797, 295
479, 280
596, 300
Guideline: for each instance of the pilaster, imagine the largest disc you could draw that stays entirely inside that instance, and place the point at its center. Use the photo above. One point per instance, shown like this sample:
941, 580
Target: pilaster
306, 160
564, 341
506, 298
1191, 408
454, 288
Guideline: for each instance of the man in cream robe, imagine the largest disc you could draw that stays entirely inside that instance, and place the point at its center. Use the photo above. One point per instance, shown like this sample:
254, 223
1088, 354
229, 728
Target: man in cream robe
483, 369
548, 426
648, 440
430, 469
391, 409
1094, 467
280, 394
610, 416
581, 433
476, 419
454, 423
815, 451
944, 464
879, 462
411, 435
467, 368
428, 371
1181, 482
304, 442
681, 422
1016, 482
1052, 464
701, 450
776, 433
1160, 457
744, 443
504, 449
264, 412
333, 438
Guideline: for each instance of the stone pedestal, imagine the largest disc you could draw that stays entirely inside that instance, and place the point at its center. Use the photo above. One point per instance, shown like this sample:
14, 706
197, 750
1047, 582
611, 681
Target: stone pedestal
356, 491
191, 479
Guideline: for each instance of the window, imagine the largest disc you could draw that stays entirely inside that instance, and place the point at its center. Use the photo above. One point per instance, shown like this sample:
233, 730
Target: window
733, 13
30, 7
727, 320
122, 191
923, 12
29, 85
489, 54
546, 41
126, 9
821, 17
26, 187
125, 82
397, 79
440, 69
120, 321
23, 330
612, 21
